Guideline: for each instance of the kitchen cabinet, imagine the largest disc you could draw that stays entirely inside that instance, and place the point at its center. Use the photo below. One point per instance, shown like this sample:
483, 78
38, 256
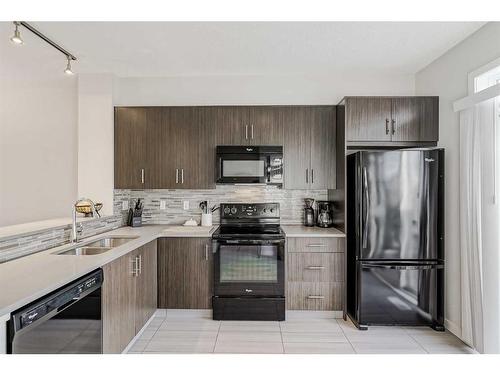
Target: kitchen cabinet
315, 273
131, 149
185, 273
309, 147
128, 296
163, 148
243, 125
386, 120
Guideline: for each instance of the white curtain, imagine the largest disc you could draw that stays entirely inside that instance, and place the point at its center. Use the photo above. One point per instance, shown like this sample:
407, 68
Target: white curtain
480, 226
470, 229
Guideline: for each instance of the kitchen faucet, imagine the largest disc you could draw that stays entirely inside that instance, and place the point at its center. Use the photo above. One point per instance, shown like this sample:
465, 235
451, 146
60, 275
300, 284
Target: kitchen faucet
74, 232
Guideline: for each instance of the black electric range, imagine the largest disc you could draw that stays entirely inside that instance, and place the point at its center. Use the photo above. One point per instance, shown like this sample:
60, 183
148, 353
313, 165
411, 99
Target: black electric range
249, 255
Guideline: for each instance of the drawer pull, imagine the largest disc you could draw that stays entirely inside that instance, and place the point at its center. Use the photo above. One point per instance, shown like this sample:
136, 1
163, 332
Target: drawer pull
315, 245
315, 267
316, 297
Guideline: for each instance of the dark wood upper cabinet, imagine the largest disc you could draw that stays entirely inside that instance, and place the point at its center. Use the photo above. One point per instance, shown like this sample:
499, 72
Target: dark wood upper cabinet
411, 119
323, 156
265, 126
309, 147
131, 157
231, 124
368, 118
185, 273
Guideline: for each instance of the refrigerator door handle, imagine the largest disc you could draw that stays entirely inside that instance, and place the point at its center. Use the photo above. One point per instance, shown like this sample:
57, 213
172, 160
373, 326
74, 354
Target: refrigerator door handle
405, 267
367, 207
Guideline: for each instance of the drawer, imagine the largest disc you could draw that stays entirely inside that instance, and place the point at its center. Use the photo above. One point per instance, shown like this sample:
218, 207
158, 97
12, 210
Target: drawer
314, 296
315, 267
315, 245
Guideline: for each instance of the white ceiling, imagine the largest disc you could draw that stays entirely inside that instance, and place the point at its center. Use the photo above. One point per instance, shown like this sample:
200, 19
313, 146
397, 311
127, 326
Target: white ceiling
138, 49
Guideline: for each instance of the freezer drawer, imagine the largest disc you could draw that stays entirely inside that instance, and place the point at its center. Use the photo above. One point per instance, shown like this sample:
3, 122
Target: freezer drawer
400, 294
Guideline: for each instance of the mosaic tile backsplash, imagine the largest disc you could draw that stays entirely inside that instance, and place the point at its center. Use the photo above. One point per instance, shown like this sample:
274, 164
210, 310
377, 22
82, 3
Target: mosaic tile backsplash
291, 202
19, 246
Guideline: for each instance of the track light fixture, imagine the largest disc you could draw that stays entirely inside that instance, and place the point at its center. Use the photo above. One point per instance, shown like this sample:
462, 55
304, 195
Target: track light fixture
68, 70
16, 38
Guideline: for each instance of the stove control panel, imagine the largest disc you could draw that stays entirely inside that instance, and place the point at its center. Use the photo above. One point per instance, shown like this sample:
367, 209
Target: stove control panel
250, 210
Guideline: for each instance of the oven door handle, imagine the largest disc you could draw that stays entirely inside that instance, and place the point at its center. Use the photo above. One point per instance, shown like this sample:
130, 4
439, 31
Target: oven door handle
247, 242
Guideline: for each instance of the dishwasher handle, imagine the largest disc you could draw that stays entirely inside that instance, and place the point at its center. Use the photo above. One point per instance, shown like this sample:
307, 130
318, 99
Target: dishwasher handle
50, 305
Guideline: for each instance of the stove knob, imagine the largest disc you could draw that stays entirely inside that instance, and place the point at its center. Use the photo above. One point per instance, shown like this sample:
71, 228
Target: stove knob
270, 210
227, 210
233, 210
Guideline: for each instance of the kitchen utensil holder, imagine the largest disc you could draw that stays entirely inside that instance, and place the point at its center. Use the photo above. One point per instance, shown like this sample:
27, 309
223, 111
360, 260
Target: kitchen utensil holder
206, 220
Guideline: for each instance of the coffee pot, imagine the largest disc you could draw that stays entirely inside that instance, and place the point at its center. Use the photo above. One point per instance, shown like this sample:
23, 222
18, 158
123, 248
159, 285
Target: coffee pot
309, 212
325, 214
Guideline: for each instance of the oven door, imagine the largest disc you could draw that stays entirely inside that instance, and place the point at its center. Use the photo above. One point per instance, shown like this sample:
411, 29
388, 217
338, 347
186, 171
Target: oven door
249, 268
242, 168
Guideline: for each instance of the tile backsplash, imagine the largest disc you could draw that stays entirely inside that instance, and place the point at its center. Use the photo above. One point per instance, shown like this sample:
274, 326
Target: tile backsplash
19, 246
291, 202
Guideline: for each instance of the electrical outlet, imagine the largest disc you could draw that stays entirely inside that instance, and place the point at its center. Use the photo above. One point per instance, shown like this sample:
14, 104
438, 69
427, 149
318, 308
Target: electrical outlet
163, 204
185, 205
124, 205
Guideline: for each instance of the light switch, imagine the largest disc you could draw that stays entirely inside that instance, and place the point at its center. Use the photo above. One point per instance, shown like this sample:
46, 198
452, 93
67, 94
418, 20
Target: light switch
163, 204
124, 205
186, 205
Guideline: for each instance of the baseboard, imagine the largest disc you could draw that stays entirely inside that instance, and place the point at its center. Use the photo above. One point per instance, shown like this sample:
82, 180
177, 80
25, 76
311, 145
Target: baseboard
136, 337
313, 314
453, 328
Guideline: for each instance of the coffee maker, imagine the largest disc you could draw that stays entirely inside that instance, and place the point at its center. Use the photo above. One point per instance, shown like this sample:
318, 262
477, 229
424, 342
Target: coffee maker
309, 212
325, 214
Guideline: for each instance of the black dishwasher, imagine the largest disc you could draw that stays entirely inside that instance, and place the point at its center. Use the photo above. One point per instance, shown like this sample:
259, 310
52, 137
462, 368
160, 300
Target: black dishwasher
67, 321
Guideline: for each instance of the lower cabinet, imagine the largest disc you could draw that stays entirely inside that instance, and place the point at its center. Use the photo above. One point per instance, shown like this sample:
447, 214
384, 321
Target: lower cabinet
315, 273
185, 273
128, 296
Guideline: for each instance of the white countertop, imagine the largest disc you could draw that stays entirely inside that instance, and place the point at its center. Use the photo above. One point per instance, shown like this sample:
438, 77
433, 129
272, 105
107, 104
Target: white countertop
28, 278
302, 231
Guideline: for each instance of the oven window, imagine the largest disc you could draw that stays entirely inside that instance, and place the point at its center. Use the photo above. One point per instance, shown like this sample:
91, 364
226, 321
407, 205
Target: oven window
248, 263
243, 168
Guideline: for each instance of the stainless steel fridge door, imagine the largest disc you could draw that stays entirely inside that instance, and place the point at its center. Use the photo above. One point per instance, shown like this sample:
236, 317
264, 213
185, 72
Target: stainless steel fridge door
401, 294
400, 205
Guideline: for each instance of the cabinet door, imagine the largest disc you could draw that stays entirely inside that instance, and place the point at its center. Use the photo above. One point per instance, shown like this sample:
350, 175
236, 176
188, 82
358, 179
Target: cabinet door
185, 275
146, 285
368, 119
232, 125
265, 126
297, 146
118, 304
130, 148
205, 170
323, 158
415, 119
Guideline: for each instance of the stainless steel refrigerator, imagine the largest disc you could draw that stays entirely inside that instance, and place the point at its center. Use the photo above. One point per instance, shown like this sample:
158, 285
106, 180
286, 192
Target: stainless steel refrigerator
395, 239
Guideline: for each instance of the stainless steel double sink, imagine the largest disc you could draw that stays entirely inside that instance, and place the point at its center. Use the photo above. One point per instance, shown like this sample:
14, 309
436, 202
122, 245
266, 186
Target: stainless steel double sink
97, 247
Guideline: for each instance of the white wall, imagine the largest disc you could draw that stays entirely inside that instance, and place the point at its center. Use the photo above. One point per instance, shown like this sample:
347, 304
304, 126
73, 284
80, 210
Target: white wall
285, 89
447, 77
95, 139
38, 124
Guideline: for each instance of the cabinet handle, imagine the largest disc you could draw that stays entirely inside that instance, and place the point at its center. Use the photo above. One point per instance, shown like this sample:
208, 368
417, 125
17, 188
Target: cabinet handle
252, 131
386, 126
182, 175
393, 131
206, 252
177, 176
307, 175
315, 245
316, 297
142, 175
246, 131
315, 267
133, 263
140, 264
312, 176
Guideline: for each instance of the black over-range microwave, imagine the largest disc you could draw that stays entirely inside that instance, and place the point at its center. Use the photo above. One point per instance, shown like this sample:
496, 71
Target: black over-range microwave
250, 165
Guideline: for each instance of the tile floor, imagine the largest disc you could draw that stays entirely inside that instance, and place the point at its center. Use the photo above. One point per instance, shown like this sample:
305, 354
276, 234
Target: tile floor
184, 331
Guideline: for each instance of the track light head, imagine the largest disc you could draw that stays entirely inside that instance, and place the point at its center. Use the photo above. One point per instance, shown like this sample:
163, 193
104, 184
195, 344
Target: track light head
16, 38
68, 70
